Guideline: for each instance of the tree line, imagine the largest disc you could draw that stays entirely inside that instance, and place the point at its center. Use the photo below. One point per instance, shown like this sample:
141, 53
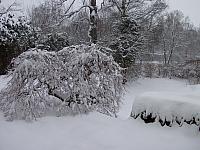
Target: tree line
139, 32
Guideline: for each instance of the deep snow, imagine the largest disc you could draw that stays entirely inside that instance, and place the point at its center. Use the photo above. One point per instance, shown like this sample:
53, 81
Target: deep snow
99, 132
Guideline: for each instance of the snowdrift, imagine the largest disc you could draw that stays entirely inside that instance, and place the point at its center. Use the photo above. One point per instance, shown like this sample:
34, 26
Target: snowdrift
168, 108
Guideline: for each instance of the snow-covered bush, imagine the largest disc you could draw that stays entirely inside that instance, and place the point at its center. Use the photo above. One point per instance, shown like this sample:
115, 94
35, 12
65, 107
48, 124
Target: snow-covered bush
75, 80
168, 108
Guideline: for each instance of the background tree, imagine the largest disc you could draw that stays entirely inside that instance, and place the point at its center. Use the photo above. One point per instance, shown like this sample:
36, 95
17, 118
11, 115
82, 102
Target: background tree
46, 16
16, 36
11, 8
130, 25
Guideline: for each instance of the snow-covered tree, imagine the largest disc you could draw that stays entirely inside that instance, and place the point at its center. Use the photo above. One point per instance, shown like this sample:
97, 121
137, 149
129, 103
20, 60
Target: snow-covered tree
16, 36
127, 43
77, 79
134, 17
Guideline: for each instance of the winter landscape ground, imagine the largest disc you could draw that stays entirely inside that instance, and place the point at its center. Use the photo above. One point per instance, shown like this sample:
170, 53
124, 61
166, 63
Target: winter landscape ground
96, 131
90, 75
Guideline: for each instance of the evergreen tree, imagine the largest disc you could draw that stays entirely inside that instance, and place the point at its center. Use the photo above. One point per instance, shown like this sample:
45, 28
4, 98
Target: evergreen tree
127, 46
127, 43
16, 36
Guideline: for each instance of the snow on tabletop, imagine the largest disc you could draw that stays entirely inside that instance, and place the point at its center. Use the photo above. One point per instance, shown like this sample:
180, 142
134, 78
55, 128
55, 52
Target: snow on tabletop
168, 105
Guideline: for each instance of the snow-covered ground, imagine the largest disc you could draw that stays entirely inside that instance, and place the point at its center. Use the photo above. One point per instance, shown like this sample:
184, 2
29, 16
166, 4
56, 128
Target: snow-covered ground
99, 132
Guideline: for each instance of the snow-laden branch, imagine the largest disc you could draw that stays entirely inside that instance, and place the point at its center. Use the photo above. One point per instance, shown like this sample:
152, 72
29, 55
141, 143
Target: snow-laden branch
77, 79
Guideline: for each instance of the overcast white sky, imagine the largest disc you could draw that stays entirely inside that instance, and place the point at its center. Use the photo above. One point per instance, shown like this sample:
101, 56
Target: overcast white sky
190, 8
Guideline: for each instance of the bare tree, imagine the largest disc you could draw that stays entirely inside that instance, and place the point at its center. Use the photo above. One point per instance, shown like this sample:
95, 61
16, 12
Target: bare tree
46, 16
138, 9
11, 8
172, 35
52, 14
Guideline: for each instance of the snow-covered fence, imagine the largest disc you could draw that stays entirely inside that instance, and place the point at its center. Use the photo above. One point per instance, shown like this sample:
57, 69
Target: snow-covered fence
168, 108
77, 79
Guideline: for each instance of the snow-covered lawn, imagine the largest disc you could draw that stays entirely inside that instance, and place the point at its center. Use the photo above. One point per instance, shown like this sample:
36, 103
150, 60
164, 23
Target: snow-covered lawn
93, 132
99, 132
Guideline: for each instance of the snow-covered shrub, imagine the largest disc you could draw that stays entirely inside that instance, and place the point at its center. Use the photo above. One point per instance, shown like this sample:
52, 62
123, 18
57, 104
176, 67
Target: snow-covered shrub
168, 108
75, 80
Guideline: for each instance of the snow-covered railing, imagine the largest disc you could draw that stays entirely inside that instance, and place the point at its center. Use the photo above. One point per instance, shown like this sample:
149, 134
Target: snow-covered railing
168, 108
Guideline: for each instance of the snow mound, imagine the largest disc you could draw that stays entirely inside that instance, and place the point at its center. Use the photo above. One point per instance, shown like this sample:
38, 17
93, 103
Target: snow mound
168, 108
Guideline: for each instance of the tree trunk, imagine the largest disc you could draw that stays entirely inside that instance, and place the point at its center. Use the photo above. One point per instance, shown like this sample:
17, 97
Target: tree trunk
123, 8
93, 22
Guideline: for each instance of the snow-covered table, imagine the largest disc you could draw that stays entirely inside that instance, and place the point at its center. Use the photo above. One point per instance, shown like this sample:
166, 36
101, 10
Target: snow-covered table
168, 108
